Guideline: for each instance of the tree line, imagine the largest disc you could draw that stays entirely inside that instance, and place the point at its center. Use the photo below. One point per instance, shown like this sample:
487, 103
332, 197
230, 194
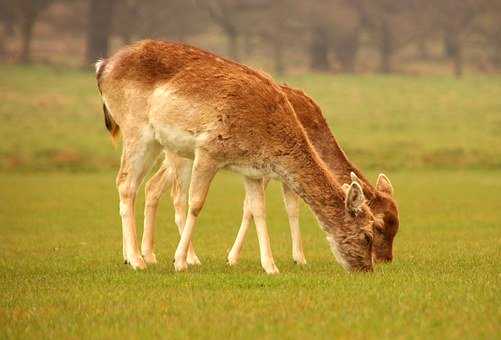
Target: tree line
328, 34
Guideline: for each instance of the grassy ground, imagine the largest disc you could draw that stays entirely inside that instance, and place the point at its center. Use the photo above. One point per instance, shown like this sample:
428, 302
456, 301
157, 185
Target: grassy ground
61, 271
60, 247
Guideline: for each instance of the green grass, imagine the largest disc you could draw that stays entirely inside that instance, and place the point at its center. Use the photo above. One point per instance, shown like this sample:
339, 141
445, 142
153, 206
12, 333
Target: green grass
61, 274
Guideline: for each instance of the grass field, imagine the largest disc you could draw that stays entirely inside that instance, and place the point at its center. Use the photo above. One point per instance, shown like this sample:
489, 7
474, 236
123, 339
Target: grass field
61, 274
52, 119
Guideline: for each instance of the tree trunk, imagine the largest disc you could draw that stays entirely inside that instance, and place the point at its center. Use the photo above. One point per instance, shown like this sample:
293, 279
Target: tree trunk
458, 60
6, 31
448, 45
100, 15
27, 24
454, 49
387, 49
319, 51
346, 46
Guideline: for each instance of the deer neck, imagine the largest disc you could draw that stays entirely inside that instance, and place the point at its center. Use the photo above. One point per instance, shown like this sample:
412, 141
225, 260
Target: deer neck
305, 173
328, 149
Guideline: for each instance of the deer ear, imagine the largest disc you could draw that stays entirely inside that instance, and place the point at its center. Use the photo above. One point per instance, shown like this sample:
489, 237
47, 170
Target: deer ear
383, 184
345, 188
354, 198
354, 178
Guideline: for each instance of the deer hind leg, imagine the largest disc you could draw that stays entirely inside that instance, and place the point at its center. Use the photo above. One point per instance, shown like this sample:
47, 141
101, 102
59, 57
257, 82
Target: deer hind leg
256, 204
154, 190
203, 171
139, 152
234, 253
179, 193
236, 249
291, 201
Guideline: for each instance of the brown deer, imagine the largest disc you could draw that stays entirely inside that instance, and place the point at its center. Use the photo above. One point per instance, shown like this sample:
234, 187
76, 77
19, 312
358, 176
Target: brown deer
310, 116
223, 115
379, 198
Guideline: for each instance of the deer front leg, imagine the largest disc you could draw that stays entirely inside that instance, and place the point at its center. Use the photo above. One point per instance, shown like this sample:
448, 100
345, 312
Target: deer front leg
256, 203
137, 157
204, 169
154, 190
291, 201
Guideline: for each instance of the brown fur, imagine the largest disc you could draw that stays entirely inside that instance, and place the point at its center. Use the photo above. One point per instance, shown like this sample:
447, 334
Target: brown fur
239, 118
381, 203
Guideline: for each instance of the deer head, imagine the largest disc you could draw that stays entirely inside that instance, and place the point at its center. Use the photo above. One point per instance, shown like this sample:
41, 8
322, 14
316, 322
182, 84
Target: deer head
351, 241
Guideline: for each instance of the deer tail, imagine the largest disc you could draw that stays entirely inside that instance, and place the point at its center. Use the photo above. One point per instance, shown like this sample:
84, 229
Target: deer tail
109, 122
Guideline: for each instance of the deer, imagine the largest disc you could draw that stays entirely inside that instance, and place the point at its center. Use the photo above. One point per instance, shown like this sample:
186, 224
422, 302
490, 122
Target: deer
174, 172
173, 97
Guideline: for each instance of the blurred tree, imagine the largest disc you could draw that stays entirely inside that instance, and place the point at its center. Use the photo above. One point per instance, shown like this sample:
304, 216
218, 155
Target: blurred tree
170, 19
28, 12
347, 29
493, 36
278, 26
99, 28
456, 18
127, 18
427, 31
392, 25
7, 21
488, 26
335, 26
225, 13
320, 22
65, 17
232, 16
319, 48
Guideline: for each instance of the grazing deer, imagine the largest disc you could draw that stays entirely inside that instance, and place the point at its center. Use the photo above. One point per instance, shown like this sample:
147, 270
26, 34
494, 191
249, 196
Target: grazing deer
379, 198
223, 115
310, 116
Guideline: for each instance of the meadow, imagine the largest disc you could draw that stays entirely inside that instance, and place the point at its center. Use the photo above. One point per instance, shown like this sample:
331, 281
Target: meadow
61, 270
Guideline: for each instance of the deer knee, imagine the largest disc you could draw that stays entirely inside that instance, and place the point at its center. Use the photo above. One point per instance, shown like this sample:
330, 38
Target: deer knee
127, 196
127, 190
196, 206
153, 195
